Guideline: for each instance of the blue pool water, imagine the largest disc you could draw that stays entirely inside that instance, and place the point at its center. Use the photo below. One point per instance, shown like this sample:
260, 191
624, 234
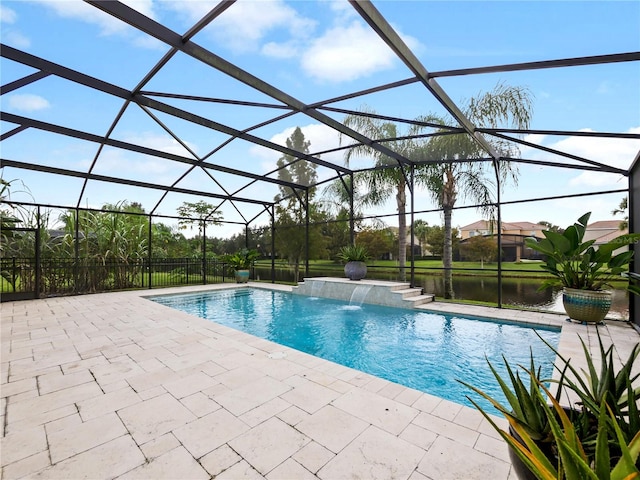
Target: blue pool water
425, 351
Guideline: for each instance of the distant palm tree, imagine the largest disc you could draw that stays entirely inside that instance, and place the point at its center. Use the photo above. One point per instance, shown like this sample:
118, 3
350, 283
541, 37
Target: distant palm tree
420, 230
455, 178
382, 184
622, 209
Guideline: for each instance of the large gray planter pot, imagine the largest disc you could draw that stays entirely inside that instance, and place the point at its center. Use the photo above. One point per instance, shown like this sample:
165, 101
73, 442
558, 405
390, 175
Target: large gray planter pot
586, 305
355, 270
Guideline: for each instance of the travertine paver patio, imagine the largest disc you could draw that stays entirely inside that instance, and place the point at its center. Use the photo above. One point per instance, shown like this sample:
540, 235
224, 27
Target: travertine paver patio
116, 386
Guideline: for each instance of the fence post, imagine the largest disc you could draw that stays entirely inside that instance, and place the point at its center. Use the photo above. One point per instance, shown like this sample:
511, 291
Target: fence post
150, 252
13, 273
204, 252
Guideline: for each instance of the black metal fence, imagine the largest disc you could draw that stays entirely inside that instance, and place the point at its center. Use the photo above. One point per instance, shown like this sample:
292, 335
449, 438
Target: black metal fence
63, 276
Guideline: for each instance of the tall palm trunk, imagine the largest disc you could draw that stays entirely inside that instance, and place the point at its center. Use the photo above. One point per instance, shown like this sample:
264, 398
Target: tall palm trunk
447, 255
401, 200
449, 195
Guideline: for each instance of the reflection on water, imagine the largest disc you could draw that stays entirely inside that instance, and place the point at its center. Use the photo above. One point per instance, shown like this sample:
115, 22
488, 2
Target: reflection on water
519, 292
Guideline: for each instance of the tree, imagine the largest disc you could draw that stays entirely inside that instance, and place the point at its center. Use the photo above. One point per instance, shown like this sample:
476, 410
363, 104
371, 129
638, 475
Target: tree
435, 240
480, 249
420, 229
622, 209
453, 178
377, 242
382, 183
198, 213
550, 226
291, 234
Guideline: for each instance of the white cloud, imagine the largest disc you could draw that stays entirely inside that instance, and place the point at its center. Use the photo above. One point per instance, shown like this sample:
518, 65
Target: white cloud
280, 50
346, 53
11, 36
28, 102
618, 153
16, 39
164, 143
7, 15
107, 24
320, 137
141, 167
244, 25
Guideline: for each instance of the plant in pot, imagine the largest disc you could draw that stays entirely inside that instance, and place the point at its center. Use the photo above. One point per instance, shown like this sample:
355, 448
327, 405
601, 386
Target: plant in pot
596, 438
354, 257
239, 263
583, 269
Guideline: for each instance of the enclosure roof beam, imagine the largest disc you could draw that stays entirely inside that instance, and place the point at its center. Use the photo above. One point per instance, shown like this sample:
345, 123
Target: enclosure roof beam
91, 82
164, 34
34, 77
565, 62
563, 133
69, 132
380, 25
601, 166
124, 181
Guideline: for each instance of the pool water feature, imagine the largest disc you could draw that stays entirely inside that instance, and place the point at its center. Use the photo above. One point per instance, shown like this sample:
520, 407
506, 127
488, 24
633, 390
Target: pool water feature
359, 294
419, 349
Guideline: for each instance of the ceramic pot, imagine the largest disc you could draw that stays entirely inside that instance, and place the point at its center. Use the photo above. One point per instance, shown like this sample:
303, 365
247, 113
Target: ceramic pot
242, 276
586, 305
355, 270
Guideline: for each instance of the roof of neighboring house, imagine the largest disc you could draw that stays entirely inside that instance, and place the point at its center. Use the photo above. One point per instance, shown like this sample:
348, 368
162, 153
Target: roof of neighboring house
604, 231
522, 226
605, 224
479, 225
484, 225
607, 237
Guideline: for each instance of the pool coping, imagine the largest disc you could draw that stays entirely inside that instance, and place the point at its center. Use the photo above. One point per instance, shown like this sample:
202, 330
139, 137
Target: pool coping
114, 385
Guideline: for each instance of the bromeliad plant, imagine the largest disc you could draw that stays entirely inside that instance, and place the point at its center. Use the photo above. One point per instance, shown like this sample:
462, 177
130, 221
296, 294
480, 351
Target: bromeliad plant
573, 461
597, 438
353, 253
576, 263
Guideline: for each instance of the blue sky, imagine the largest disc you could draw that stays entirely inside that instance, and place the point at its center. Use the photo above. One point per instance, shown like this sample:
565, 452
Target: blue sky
316, 50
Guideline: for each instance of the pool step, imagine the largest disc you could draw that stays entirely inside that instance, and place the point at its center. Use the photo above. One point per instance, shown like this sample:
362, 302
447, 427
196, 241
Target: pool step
414, 296
378, 292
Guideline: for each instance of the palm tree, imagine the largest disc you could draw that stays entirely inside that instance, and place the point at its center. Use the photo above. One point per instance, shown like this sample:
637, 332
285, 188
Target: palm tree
382, 184
453, 177
622, 209
420, 230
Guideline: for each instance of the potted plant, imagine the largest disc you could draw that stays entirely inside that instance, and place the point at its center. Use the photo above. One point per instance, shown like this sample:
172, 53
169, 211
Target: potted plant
354, 257
524, 409
598, 437
583, 269
240, 263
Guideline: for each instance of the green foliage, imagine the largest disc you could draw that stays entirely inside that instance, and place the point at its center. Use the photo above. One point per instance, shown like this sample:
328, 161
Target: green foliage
291, 232
575, 263
377, 242
480, 249
198, 213
455, 180
353, 253
623, 209
435, 239
598, 439
524, 407
296, 170
241, 260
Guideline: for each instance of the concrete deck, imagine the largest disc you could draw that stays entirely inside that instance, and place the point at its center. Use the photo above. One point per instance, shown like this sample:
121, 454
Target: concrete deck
116, 386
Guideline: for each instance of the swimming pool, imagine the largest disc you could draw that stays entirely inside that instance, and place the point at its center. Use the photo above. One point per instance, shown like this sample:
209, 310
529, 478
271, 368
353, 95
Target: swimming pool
421, 350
